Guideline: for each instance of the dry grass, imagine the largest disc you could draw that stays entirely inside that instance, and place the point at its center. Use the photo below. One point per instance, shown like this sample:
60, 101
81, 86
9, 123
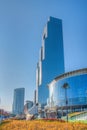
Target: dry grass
41, 125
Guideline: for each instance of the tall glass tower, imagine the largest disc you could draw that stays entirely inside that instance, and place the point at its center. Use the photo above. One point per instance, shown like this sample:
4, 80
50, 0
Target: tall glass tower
18, 101
51, 59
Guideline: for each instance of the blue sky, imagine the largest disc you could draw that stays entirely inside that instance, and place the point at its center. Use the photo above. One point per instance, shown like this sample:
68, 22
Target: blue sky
21, 27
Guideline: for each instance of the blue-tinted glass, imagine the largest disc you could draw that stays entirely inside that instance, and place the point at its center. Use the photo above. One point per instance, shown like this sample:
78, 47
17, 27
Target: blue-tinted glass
53, 59
18, 101
76, 93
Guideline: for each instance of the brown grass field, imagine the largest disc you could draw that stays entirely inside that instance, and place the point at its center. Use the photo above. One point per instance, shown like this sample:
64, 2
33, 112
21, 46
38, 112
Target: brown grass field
41, 125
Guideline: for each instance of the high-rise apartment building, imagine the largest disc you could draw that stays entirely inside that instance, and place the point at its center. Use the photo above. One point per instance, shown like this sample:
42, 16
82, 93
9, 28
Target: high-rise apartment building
18, 101
51, 59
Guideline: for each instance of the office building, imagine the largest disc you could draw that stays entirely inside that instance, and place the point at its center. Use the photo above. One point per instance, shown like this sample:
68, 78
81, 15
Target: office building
75, 94
18, 101
35, 97
51, 58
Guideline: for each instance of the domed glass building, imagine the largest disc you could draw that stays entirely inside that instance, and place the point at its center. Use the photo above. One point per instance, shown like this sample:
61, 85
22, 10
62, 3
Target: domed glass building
69, 91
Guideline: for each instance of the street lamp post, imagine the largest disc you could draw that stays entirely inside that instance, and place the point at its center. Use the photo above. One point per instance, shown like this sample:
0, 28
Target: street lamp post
65, 86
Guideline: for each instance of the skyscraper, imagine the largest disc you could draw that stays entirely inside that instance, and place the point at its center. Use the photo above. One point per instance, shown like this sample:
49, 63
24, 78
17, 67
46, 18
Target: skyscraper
51, 59
35, 97
18, 101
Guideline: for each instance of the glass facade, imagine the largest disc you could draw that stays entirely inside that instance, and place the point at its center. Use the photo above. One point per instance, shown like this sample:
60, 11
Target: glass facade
18, 101
51, 61
76, 91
